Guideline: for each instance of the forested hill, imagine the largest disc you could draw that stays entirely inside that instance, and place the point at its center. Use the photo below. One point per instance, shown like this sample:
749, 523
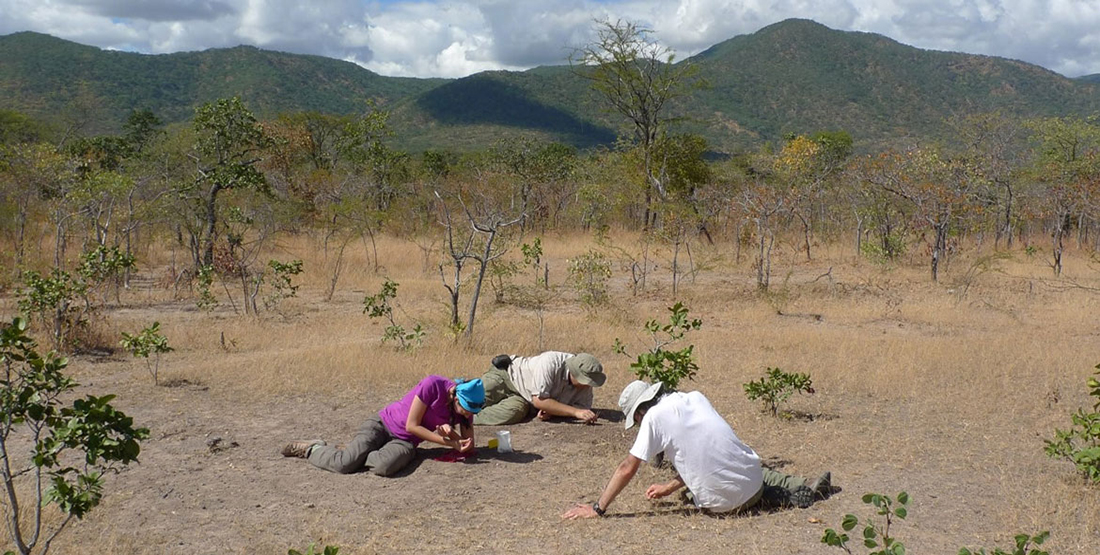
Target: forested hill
42, 75
793, 76
799, 76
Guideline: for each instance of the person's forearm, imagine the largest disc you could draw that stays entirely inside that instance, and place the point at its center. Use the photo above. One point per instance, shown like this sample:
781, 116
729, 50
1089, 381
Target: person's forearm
428, 435
555, 407
622, 476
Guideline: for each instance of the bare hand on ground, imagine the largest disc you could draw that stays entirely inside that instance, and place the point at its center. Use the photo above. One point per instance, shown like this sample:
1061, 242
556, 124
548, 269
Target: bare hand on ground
580, 510
657, 491
587, 416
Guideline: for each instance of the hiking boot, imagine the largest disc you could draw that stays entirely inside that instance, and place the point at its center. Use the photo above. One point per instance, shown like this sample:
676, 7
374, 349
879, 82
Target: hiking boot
801, 497
300, 449
822, 485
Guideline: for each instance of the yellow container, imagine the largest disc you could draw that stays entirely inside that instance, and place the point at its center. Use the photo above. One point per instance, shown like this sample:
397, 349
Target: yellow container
493, 443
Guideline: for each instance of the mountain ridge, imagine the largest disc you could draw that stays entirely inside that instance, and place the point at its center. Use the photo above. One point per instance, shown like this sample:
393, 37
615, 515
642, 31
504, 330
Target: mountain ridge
794, 76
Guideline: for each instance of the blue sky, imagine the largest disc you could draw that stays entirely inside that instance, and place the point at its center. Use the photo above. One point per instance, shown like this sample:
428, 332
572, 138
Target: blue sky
454, 38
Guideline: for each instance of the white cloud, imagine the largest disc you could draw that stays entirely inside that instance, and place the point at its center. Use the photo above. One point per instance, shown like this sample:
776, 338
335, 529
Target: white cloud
452, 38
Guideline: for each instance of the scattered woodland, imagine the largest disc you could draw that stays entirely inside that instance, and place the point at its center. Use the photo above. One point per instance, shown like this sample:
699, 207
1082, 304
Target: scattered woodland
940, 293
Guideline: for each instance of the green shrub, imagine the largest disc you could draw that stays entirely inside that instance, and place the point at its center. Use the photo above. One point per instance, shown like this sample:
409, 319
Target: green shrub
891, 248
148, 341
280, 282
660, 364
876, 532
777, 387
205, 277
381, 306
1025, 545
588, 276
89, 429
51, 300
1081, 443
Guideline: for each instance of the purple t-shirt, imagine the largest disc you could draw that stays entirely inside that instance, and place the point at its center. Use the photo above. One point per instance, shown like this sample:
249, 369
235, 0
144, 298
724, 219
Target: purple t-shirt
433, 391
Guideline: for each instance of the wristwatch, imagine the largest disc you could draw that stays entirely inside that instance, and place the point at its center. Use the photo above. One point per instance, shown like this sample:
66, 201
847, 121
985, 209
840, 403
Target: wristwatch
596, 507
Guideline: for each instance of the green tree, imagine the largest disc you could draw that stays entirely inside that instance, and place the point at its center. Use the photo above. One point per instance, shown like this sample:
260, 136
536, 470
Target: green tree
228, 145
73, 446
807, 164
543, 172
31, 173
382, 306
1067, 169
636, 76
938, 188
19, 128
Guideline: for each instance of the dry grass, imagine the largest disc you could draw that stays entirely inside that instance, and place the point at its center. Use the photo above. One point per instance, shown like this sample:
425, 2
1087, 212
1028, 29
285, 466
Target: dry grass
945, 390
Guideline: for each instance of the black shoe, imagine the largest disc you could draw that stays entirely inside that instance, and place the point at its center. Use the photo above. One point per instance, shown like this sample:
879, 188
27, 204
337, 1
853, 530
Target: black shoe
801, 497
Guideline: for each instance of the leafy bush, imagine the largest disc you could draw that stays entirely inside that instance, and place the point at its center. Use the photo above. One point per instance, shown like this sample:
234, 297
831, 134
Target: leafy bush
64, 302
102, 266
90, 431
777, 387
148, 341
500, 278
281, 286
890, 248
662, 365
1081, 443
876, 533
1024, 546
381, 306
205, 278
51, 300
588, 275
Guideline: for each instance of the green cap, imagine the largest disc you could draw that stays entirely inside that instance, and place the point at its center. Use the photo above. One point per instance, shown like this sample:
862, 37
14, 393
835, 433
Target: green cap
586, 369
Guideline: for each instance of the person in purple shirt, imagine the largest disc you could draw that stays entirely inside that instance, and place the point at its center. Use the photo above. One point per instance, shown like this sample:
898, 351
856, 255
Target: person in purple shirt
438, 410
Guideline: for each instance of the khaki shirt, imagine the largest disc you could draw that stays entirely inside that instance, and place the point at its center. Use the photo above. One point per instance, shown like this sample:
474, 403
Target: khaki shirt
546, 377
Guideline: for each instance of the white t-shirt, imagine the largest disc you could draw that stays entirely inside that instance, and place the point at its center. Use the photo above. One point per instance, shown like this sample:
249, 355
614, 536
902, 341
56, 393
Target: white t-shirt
546, 377
721, 471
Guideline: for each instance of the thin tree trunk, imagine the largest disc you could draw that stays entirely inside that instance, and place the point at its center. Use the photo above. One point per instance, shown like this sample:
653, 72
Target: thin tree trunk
485, 261
211, 225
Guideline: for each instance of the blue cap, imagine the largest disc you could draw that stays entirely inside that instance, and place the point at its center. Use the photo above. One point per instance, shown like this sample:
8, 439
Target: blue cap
471, 394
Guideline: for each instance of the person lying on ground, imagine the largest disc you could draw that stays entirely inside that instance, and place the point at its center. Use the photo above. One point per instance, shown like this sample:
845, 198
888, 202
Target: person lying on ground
721, 473
437, 410
552, 383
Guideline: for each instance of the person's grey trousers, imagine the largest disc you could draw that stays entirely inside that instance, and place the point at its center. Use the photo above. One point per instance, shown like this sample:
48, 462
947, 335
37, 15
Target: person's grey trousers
373, 448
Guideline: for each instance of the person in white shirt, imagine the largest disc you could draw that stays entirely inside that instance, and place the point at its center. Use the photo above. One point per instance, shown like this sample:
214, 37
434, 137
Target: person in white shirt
552, 383
720, 472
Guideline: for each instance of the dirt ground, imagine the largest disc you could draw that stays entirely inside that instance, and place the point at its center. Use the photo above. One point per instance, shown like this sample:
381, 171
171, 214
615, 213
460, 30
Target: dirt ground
965, 444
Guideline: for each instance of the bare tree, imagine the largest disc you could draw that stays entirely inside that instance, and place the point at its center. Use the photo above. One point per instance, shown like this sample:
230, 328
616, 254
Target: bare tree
477, 240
